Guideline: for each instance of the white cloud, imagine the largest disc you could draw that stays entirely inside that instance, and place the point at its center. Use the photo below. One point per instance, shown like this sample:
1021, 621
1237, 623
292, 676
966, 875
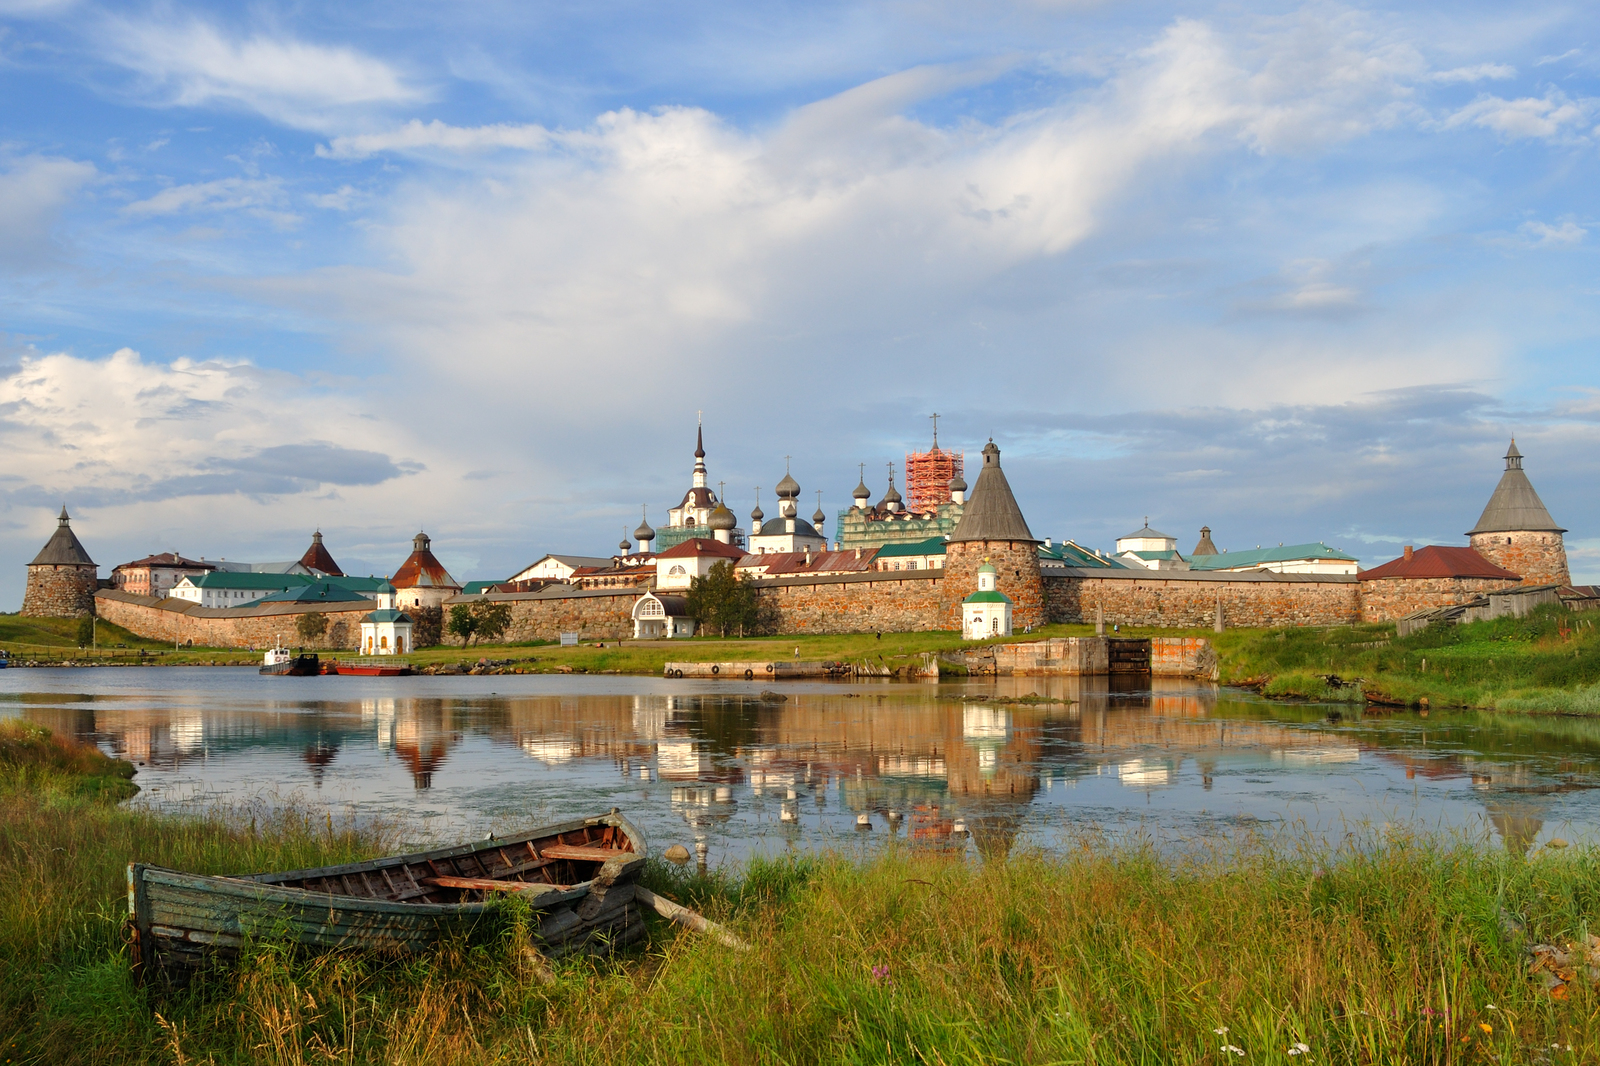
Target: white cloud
1481, 72
121, 431
1568, 54
414, 136
341, 199
648, 236
194, 64
1542, 233
224, 194
32, 193
1554, 115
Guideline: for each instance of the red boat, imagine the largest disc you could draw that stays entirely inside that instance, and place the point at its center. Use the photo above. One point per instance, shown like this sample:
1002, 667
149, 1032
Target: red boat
373, 666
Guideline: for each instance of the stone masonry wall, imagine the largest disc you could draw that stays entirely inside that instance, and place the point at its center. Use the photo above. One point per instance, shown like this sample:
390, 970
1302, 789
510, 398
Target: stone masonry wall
181, 622
912, 601
600, 614
1017, 575
1384, 600
1540, 558
1188, 603
60, 591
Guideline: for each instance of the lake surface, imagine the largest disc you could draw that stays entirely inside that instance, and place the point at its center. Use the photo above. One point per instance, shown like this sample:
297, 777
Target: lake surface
453, 758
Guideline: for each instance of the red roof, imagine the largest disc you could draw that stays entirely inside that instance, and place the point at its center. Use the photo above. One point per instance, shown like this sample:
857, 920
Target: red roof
1437, 561
317, 558
778, 564
695, 547
167, 559
422, 570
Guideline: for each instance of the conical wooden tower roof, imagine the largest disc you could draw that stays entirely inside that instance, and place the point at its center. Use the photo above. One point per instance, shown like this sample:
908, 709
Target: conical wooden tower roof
63, 548
991, 512
1515, 507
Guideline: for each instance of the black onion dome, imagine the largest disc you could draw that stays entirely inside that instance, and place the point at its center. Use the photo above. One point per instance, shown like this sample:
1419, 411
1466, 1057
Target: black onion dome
788, 488
722, 518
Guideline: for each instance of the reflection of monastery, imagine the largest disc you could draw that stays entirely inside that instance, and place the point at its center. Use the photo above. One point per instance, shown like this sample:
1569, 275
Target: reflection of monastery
933, 761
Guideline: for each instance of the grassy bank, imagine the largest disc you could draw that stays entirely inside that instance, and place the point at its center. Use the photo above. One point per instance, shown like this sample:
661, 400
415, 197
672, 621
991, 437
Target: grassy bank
1548, 662
1395, 954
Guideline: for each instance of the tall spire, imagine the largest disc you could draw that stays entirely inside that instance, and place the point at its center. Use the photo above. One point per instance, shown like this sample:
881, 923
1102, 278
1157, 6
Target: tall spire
1515, 507
991, 513
699, 455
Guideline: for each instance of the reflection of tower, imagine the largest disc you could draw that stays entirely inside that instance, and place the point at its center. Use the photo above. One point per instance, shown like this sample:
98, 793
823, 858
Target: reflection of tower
421, 741
317, 756
1517, 820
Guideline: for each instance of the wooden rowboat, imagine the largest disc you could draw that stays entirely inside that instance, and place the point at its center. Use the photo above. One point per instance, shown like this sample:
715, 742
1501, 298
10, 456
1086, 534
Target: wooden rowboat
579, 878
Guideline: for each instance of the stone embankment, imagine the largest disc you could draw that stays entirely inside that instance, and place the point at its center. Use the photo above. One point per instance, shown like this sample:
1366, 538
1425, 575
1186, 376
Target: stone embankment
1189, 657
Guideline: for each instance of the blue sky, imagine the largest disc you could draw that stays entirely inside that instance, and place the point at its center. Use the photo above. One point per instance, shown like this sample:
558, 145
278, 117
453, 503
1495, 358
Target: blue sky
1295, 272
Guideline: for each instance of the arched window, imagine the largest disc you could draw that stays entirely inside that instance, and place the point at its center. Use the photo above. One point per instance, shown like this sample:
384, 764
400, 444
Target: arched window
994, 624
383, 642
676, 571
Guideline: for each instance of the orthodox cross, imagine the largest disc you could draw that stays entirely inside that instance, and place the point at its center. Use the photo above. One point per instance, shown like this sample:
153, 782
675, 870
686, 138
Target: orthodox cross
936, 431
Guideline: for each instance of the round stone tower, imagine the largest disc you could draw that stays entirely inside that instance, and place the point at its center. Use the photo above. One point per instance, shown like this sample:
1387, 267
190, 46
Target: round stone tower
1516, 531
992, 528
62, 578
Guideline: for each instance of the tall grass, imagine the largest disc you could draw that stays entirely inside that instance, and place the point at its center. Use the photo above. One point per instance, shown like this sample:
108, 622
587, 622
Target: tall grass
1544, 662
1384, 953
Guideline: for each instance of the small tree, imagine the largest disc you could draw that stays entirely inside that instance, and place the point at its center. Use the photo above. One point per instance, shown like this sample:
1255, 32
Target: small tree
86, 631
724, 603
427, 626
493, 619
463, 623
311, 626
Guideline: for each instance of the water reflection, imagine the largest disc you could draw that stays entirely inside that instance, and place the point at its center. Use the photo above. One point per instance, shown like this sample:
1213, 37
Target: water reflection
941, 766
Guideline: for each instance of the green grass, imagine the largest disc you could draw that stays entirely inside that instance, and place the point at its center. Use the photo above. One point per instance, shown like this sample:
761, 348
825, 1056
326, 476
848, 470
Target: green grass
1389, 952
1548, 662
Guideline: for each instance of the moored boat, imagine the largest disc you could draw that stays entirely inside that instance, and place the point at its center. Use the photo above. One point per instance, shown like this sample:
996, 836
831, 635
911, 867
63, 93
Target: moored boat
578, 876
283, 662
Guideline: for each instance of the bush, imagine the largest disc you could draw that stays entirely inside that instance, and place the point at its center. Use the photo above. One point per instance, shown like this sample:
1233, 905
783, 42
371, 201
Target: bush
427, 626
311, 627
86, 630
723, 603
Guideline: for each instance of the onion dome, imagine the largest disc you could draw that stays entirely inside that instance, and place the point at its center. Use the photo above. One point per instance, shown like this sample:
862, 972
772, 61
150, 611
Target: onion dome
958, 484
788, 488
644, 532
625, 546
987, 568
862, 492
817, 517
893, 495
756, 516
722, 518
699, 443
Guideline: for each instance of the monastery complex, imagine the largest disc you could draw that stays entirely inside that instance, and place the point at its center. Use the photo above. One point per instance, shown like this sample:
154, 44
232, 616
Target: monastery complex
942, 556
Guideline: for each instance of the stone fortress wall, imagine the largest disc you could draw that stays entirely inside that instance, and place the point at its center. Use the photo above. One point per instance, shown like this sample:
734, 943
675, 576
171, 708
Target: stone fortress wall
60, 591
1541, 558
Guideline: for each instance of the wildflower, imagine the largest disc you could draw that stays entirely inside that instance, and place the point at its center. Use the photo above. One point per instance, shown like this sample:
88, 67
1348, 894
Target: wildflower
881, 973
1236, 1050
1486, 1027
1221, 1030
1300, 1049
1491, 1006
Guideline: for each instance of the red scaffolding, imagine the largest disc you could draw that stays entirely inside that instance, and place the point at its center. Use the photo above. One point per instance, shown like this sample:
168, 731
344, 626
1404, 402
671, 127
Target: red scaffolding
928, 475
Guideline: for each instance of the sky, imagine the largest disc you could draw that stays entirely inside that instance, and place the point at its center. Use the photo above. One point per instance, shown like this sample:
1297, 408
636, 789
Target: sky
1296, 272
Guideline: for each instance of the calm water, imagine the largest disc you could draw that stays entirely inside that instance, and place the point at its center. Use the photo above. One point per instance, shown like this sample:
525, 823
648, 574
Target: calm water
451, 758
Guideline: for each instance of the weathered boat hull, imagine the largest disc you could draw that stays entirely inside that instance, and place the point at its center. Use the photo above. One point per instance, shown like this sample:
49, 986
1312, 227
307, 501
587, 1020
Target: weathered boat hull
299, 666
402, 903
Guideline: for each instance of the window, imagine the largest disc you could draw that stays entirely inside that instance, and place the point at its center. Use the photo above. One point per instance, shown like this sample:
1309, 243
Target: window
995, 624
676, 571
383, 642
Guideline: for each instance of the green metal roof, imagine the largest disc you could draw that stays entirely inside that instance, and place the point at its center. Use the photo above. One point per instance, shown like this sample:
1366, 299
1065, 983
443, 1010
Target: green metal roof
1155, 555
472, 588
246, 579
357, 584
987, 597
387, 615
317, 592
1285, 553
931, 546
1074, 554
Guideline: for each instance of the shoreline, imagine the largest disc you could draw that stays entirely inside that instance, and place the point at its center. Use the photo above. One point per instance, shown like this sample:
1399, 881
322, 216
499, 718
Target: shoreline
1391, 948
